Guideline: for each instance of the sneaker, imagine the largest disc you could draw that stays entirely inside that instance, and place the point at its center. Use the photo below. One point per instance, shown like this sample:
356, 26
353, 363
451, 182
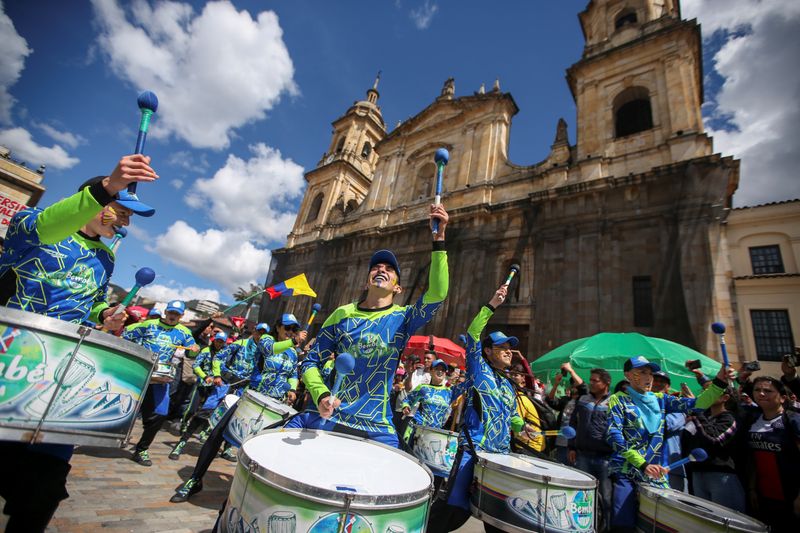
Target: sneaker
203, 436
192, 486
229, 455
142, 457
175, 454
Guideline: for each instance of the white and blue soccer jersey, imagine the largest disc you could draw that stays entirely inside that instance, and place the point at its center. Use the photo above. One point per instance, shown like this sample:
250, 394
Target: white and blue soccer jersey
491, 410
375, 338
275, 372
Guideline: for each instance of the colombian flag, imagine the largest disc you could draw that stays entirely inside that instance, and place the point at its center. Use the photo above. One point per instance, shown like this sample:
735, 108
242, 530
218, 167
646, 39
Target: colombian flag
291, 287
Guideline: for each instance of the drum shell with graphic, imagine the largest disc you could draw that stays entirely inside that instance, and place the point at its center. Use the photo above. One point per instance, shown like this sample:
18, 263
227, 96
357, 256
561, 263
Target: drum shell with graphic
164, 373
520, 493
90, 400
255, 412
216, 415
436, 448
295, 480
663, 509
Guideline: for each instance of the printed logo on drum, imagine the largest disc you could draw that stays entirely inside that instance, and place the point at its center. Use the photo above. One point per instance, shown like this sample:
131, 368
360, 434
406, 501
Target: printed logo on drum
22, 362
582, 509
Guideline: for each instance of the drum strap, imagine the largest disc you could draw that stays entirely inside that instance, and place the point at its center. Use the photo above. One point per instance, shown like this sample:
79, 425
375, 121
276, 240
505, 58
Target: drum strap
451, 479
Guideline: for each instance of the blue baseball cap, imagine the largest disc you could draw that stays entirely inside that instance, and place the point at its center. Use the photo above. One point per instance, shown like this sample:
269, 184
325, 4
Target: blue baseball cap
288, 319
221, 336
639, 362
262, 325
439, 362
176, 305
154, 312
385, 256
132, 202
498, 337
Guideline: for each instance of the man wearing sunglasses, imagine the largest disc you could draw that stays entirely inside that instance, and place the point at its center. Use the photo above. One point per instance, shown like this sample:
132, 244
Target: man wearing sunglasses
275, 372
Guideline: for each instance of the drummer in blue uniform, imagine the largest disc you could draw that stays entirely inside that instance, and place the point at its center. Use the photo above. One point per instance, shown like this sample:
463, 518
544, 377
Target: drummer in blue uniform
490, 414
162, 336
430, 402
43, 249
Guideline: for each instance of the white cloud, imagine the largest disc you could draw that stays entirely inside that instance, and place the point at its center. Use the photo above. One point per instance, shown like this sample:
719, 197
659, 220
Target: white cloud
254, 197
22, 146
177, 183
423, 15
213, 72
759, 93
13, 51
197, 163
165, 293
225, 257
138, 233
70, 140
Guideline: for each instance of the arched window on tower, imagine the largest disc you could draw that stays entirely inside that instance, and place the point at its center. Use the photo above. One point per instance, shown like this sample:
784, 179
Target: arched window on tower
351, 206
340, 146
366, 150
316, 205
625, 18
423, 188
632, 112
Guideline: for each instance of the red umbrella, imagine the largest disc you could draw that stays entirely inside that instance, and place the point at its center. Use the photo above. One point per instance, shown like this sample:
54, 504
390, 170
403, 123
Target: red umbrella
140, 312
445, 349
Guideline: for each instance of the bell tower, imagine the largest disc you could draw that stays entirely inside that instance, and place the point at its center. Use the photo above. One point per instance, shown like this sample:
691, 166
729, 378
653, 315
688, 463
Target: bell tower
341, 180
638, 87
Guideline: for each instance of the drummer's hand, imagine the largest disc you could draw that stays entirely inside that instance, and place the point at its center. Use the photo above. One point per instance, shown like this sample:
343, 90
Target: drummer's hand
572, 457
499, 296
112, 321
725, 374
217, 381
406, 411
655, 471
209, 380
130, 169
300, 337
290, 397
438, 211
193, 348
328, 405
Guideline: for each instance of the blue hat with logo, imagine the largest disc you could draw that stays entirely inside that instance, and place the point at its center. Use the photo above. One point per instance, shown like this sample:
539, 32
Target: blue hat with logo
262, 325
288, 319
220, 336
385, 256
439, 362
640, 362
123, 198
177, 306
498, 337
154, 312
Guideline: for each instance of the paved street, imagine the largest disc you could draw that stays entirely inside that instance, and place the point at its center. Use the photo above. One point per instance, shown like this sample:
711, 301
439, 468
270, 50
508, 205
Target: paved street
109, 492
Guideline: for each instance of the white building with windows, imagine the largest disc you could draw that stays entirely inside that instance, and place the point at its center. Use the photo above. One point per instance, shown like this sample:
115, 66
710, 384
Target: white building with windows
764, 248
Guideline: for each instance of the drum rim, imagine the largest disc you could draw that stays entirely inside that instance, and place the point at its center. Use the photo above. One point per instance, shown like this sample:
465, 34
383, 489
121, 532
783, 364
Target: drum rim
437, 430
484, 462
742, 522
332, 497
251, 395
55, 326
496, 522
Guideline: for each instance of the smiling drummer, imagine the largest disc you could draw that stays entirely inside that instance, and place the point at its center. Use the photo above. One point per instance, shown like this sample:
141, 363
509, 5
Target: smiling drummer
375, 332
490, 414
432, 400
162, 336
54, 264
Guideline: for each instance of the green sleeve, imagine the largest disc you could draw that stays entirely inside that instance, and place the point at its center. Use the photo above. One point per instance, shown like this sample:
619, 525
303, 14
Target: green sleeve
708, 396
97, 311
293, 383
439, 278
67, 216
517, 423
479, 323
216, 367
282, 346
199, 372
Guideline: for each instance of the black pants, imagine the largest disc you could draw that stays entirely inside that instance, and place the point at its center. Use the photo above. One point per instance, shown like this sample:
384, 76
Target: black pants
178, 401
32, 484
212, 445
151, 421
445, 518
198, 421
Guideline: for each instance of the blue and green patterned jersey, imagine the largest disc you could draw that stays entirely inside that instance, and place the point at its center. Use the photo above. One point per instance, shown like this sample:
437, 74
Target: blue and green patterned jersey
239, 357
434, 404
159, 338
375, 338
207, 364
55, 269
491, 410
633, 446
275, 372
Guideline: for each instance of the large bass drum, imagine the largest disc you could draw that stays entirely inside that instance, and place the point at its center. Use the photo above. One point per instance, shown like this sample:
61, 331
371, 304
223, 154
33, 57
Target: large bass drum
293, 480
67, 384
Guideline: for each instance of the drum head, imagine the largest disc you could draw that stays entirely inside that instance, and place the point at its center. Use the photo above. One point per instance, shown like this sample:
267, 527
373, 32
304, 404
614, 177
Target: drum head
538, 469
695, 506
229, 400
270, 403
330, 466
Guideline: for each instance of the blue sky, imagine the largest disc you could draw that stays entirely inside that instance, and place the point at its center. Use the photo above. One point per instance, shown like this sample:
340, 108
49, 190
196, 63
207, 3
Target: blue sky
248, 90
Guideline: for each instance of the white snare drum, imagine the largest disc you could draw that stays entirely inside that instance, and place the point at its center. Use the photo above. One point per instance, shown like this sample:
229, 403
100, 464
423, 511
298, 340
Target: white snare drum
291, 480
669, 510
164, 373
436, 448
254, 413
518, 493
64, 383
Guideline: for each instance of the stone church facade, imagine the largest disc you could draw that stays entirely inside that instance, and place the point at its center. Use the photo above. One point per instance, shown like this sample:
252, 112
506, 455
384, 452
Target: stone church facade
619, 231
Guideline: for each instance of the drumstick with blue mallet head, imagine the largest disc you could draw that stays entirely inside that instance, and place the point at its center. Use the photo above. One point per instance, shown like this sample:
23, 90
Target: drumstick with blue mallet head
119, 234
513, 270
568, 432
144, 276
344, 364
698, 455
441, 157
148, 103
719, 329
314, 310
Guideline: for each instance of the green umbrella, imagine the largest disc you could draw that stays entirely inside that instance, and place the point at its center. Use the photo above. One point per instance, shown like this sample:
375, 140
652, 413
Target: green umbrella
611, 350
